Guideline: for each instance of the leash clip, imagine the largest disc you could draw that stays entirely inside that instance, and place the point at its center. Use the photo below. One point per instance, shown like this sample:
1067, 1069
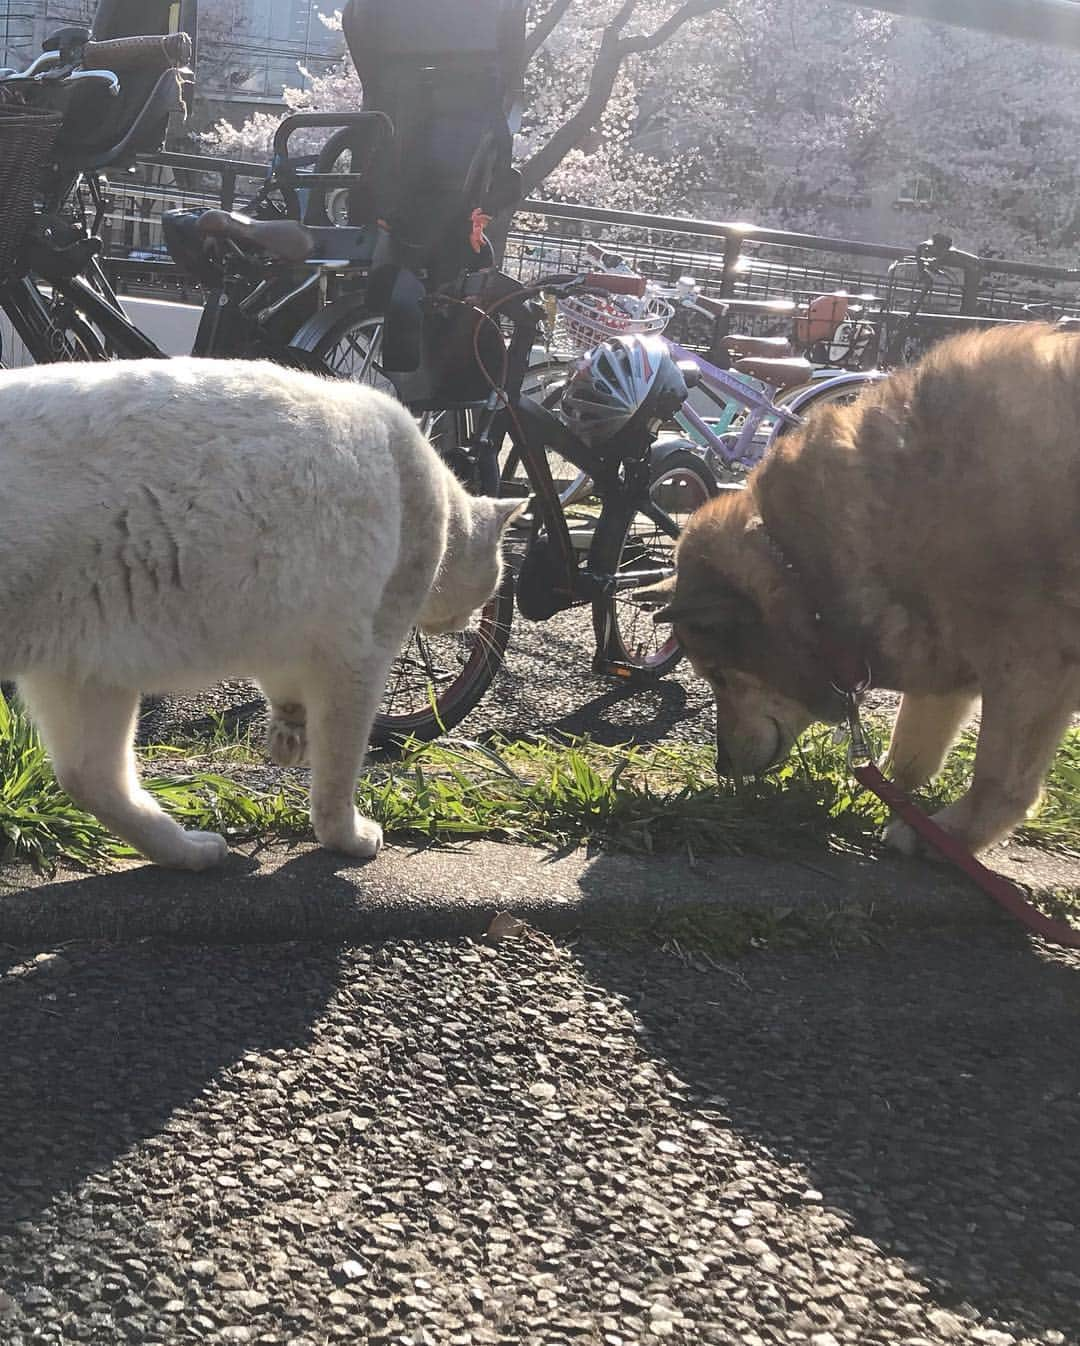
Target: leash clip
859, 752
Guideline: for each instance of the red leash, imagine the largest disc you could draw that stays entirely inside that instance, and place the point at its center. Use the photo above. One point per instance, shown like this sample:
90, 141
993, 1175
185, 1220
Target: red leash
1005, 893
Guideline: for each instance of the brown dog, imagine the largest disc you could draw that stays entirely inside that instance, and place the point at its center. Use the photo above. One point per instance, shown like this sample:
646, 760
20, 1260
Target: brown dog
932, 531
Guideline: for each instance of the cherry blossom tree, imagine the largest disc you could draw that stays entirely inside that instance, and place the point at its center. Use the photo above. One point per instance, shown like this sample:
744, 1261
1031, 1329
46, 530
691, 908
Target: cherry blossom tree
993, 126
783, 112
586, 59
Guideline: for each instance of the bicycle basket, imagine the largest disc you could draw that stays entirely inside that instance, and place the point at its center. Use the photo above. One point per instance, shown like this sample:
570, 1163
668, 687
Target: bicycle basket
26, 137
584, 320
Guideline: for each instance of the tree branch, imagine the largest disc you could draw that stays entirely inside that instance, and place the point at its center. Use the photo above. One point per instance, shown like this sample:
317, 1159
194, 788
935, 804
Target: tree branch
612, 52
543, 28
693, 9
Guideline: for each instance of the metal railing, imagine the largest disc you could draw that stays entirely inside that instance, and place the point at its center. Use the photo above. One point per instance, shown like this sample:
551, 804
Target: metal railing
740, 260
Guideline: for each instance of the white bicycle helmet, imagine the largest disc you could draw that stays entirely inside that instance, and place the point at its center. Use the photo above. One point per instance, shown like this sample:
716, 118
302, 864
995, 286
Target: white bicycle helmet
612, 382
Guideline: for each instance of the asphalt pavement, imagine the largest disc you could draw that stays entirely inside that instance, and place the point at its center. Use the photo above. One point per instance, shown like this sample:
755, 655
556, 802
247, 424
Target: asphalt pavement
541, 1140
499, 1095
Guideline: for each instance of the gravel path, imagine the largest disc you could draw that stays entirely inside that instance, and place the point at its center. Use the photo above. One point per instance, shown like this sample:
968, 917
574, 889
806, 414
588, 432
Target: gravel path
540, 1143
545, 685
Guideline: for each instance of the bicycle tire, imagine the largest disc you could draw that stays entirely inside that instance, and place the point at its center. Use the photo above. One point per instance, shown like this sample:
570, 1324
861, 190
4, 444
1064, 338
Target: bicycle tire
625, 633
435, 681
544, 383
541, 378
455, 671
341, 142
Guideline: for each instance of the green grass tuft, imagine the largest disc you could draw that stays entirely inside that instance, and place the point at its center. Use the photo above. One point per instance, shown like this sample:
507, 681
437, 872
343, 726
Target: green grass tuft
545, 791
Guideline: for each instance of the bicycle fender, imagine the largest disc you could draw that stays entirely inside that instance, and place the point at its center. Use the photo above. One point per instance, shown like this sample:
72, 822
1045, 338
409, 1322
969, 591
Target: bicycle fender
666, 445
307, 337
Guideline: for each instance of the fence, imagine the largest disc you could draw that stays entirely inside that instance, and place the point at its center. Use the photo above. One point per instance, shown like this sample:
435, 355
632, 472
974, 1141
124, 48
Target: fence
738, 260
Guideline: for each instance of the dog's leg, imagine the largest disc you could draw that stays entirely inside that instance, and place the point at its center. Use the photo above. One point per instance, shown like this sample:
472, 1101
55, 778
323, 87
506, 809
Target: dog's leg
1022, 725
89, 730
922, 735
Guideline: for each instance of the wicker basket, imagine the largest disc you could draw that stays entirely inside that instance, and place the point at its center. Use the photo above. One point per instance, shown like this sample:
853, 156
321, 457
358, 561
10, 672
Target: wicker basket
584, 320
26, 137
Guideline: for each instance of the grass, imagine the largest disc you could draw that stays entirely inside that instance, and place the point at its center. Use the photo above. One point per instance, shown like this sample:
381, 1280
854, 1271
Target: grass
543, 791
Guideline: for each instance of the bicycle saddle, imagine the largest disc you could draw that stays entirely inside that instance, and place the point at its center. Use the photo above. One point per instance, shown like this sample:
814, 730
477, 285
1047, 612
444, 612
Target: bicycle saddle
286, 240
767, 348
777, 373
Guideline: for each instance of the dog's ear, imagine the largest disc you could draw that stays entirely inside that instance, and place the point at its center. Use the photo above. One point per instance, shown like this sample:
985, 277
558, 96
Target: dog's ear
720, 607
656, 597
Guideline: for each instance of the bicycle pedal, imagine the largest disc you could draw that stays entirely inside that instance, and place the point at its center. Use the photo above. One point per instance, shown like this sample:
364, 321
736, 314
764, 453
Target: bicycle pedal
621, 672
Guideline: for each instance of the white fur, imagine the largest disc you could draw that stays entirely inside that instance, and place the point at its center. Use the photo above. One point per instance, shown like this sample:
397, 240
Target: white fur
165, 524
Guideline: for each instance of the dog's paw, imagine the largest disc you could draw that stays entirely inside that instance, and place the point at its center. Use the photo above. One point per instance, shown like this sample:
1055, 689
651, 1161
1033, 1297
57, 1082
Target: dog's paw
286, 736
901, 837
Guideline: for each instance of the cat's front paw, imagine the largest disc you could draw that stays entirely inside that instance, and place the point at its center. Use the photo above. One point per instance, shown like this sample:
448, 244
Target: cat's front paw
360, 837
194, 851
286, 736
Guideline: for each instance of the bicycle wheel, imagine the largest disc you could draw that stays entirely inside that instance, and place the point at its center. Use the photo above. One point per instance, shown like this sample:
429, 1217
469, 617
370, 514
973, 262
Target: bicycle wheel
55, 333
436, 680
352, 348
625, 632
75, 339
543, 378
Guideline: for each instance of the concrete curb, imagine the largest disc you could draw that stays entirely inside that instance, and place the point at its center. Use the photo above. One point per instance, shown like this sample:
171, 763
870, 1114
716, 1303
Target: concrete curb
274, 893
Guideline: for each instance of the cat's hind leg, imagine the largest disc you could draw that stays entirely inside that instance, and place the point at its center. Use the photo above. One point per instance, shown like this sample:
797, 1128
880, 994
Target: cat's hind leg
286, 730
89, 731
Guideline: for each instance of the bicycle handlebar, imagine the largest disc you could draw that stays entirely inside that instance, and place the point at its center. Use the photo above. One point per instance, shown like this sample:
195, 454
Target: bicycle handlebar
938, 252
616, 283
124, 51
563, 282
45, 61
51, 78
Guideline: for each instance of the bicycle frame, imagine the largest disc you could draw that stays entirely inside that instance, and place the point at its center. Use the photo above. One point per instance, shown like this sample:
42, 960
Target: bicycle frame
722, 387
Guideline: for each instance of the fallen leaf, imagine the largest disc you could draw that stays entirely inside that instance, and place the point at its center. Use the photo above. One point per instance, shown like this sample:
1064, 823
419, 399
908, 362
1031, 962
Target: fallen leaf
504, 926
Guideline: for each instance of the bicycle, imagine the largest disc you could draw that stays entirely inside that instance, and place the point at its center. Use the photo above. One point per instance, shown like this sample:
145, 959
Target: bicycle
594, 550
738, 408
276, 288
755, 390
887, 338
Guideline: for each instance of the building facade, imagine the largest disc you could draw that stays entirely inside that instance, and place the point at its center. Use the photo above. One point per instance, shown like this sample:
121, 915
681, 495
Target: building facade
247, 51
24, 25
250, 50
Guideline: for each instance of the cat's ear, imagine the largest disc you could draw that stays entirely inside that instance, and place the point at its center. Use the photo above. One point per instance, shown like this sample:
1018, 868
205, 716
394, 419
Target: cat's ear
505, 511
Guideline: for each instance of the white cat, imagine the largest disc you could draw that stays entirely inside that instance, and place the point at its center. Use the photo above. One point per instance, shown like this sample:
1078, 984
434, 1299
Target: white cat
165, 524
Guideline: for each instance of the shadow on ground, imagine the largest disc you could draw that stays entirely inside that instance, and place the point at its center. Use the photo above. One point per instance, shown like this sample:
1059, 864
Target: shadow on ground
930, 1090
123, 1040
